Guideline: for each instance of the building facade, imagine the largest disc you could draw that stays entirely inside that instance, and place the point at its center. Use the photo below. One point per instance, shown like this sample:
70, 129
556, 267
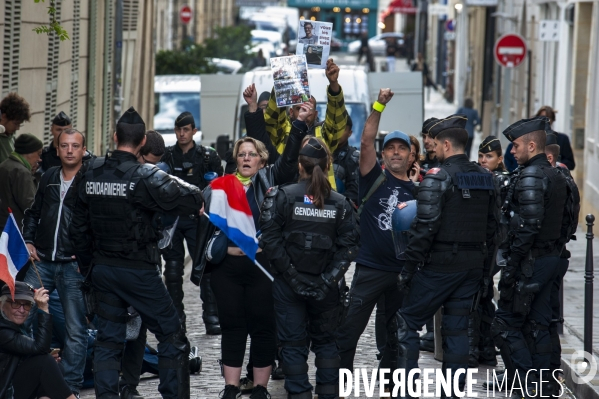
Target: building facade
81, 76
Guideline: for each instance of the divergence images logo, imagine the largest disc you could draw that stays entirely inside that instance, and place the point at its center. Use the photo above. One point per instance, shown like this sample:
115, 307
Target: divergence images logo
585, 366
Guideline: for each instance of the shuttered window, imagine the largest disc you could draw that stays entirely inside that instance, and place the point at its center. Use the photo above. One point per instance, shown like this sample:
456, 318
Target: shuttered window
11, 48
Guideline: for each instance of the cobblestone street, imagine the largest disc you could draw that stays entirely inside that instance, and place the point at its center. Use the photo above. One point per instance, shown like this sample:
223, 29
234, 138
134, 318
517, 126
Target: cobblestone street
209, 383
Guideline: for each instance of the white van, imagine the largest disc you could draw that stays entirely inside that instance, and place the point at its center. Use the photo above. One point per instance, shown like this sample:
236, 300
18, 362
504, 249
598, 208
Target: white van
353, 81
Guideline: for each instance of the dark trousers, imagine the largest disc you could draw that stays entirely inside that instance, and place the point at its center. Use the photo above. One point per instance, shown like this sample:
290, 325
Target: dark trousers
175, 260
429, 291
293, 314
556, 314
38, 376
133, 358
523, 356
368, 285
145, 291
245, 306
487, 314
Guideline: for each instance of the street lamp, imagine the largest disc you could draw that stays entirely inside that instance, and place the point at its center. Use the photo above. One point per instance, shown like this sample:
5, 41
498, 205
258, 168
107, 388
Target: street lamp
458, 7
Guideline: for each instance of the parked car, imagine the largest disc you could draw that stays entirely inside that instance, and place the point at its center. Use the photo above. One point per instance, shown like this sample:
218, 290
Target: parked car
378, 43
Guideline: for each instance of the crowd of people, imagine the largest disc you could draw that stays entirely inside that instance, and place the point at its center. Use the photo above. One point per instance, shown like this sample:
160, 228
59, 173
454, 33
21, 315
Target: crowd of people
107, 234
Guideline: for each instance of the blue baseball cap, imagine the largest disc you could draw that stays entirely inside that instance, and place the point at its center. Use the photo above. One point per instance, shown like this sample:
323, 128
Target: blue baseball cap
397, 135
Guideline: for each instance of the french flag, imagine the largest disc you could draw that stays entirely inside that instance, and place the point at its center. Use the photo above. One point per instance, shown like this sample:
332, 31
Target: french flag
13, 253
231, 213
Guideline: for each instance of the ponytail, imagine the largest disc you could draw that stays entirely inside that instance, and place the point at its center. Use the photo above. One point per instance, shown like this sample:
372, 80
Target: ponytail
318, 186
315, 159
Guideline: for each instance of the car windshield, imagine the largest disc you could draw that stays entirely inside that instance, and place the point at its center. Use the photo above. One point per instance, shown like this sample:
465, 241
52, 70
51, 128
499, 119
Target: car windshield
259, 39
167, 106
357, 112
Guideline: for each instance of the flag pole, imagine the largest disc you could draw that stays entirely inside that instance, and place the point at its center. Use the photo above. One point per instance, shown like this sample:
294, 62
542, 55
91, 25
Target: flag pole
36, 272
255, 261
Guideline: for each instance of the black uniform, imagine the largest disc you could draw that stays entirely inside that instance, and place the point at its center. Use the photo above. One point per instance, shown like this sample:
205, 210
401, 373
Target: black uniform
346, 162
535, 208
455, 224
190, 167
310, 249
112, 229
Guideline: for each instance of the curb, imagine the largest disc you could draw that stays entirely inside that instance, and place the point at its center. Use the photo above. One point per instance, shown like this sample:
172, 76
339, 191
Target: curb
584, 391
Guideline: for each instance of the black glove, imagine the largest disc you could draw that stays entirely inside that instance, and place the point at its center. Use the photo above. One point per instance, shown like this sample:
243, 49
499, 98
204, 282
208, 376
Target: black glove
321, 290
484, 288
508, 274
404, 279
299, 284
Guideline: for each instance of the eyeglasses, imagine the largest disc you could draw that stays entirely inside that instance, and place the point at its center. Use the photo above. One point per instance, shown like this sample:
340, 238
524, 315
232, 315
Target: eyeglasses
244, 154
17, 305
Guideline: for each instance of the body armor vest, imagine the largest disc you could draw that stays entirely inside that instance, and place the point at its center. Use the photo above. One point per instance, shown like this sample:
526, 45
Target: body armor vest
555, 201
310, 232
117, 225
464, 217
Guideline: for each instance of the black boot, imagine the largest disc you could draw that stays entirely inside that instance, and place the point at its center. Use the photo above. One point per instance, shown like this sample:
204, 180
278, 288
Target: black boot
210, 313
427, 341
130, 392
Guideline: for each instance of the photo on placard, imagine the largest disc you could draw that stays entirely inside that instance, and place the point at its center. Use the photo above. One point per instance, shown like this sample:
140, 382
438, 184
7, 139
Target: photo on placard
290, 76
307, 32
314, 40
313, 54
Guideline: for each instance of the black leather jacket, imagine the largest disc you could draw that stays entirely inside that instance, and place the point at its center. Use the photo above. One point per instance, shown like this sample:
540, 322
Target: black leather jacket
284, 170
14, 345
46, 223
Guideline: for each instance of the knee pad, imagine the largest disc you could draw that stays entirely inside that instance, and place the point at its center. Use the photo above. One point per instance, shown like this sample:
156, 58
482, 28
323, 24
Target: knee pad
173, 272
179, 341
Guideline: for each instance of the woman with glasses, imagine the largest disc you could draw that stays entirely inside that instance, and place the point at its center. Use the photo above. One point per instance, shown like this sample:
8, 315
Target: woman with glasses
243, 292
27, 367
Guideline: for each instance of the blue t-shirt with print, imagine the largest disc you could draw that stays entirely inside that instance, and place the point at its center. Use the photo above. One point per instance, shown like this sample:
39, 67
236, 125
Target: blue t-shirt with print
377, 250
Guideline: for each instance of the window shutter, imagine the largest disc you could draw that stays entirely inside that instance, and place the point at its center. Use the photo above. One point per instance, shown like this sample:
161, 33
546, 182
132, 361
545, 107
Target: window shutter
11, 49
75, 36
51, 79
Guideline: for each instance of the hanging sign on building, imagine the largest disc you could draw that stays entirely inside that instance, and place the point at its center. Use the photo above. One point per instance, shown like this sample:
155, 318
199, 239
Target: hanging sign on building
510, 50
438, 9
548, 30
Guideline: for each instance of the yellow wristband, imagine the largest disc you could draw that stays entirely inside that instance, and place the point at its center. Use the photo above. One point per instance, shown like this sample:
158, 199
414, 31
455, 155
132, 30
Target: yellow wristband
377, 106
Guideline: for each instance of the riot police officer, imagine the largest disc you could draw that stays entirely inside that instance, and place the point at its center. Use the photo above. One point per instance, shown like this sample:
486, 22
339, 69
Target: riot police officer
552, 150
309, 236
112, 230
430, 160
345, 165
482, 347
455, 223
535, 209
189, 162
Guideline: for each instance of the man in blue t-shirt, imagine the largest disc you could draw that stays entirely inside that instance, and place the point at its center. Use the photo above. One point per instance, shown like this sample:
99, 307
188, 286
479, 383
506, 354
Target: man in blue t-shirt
377, 266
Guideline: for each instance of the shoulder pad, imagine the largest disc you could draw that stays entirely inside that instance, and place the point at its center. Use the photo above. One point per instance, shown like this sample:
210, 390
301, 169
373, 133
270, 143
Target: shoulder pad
272, 192
532, 171
88, 155
98, 162
355, 155
437, 174
146, 170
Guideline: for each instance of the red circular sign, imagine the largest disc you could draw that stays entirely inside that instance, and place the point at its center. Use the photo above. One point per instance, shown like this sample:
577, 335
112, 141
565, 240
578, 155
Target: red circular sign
510, 50
185, 14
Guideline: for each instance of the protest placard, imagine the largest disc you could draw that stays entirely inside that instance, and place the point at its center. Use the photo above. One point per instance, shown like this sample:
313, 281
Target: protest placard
291, 80
314, 41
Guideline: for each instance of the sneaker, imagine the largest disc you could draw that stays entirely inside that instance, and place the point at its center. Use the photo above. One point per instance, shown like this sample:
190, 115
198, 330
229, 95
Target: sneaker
259, 392
130, 392
246, 385
195, 360
230, 392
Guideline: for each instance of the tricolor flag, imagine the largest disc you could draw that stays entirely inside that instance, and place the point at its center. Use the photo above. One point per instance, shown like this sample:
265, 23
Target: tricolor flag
13, 253
231, 213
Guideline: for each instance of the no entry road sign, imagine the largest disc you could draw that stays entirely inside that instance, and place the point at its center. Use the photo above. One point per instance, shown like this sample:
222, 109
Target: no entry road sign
510, 50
